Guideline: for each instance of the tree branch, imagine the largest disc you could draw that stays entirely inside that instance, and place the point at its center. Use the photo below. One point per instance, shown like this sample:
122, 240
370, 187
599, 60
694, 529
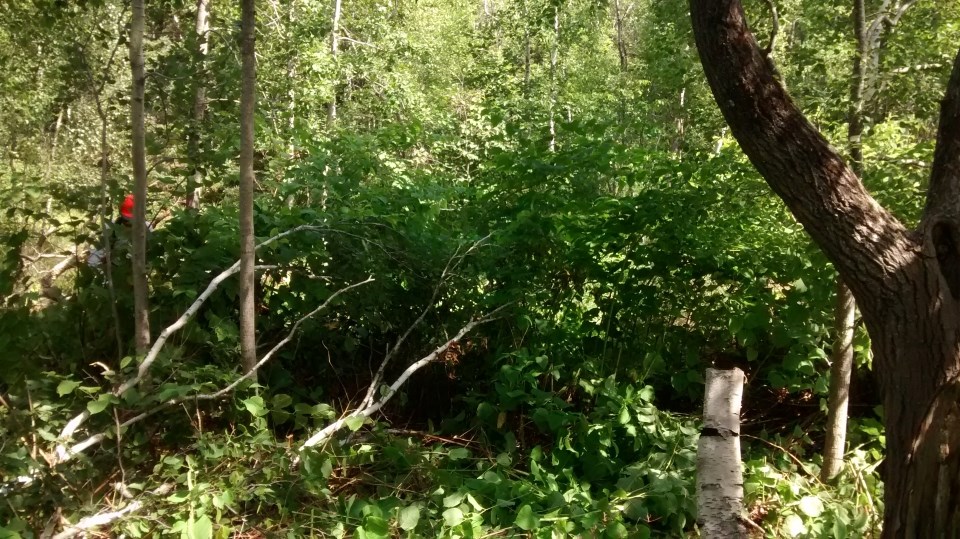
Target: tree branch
452, 264
366, 411
151, 356
864, 241
943, 195
82, 446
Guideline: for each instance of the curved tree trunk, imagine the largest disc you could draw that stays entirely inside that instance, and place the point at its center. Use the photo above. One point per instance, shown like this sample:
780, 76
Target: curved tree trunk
907, 283
141, 292
248, 342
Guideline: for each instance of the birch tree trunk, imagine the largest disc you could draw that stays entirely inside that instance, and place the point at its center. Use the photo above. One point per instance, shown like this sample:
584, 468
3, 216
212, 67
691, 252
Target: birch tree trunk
141, 291
195, 180
719, 474
334, 53
248, 343
554, 54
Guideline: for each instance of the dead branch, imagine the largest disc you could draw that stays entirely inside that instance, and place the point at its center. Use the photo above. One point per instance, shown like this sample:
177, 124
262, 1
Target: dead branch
82, 446
71, 427
366, 411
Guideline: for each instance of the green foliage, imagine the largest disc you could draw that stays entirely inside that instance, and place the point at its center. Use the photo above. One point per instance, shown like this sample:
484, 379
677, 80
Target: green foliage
635, 245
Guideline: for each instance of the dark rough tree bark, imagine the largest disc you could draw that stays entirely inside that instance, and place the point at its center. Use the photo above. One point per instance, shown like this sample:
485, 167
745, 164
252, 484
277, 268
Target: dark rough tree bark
141, 292
248, 348
906, 282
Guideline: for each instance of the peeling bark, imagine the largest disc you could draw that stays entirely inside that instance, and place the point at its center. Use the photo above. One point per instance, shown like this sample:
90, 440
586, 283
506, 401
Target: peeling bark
719, 473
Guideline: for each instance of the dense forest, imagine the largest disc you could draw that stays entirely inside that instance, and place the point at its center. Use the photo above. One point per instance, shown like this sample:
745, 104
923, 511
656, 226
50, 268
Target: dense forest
465, 268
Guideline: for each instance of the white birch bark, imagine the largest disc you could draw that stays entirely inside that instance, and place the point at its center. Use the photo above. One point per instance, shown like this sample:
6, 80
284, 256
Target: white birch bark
719, 474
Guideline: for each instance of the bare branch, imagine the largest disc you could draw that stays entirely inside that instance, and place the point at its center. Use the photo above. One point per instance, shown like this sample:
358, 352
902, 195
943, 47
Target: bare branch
108, 517
82, 446
366, 411
452, 263
154, 351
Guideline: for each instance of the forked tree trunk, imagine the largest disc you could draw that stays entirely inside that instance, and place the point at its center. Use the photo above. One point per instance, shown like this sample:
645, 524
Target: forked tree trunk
906, 282
719, 472
248, 343
141, 293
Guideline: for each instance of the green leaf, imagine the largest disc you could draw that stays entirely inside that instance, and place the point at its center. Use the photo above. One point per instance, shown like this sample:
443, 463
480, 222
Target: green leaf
66, 387
255, 406
354, 422
459, 453
452, 517
811, 506
526, 519
409, 517
453, 500
201, 528
794, 526
281, 400
99, 405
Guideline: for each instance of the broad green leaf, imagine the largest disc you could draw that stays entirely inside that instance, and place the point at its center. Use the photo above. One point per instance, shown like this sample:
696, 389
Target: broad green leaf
793, 526
409, 517
99, 405
452, 517
200, 528
255, 406
811, 506
66, 387
354, 422
526, 519
459, 453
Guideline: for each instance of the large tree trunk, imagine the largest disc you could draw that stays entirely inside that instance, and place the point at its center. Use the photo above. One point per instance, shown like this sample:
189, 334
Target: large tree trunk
248, 343
141, 293
907, 283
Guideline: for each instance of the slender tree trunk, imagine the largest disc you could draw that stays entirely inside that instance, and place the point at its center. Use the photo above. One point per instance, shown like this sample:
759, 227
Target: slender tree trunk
719, 474
906, 282
334, 53
554, 56
141, 292
845, 309
195, 180
839, 393
248, 344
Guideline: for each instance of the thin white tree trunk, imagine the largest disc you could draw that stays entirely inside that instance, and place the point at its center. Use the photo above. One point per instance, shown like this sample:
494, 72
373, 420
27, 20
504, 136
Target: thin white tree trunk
248, 343
194, 189
719, 474
839, 393
554, 54
141, 290
334, 53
